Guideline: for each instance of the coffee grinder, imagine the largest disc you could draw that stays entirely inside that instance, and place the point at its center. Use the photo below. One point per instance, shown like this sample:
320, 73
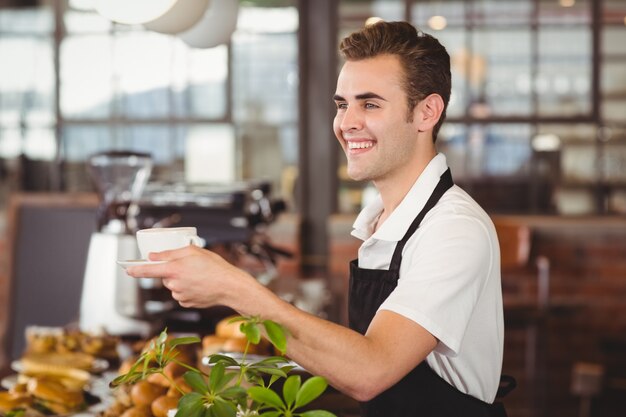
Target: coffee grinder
111, 300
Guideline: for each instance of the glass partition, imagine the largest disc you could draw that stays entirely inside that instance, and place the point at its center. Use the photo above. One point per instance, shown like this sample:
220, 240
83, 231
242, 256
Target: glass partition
93, 85
537, 109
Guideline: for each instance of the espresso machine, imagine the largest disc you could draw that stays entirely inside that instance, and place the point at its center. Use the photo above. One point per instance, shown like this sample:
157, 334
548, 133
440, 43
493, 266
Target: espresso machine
233, 215
111, 300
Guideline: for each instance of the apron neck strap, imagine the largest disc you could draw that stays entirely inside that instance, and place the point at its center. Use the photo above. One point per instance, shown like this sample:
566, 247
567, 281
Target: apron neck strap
445, 182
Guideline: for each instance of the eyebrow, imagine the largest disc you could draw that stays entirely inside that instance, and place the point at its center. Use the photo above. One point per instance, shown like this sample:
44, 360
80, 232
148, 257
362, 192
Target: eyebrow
363, 96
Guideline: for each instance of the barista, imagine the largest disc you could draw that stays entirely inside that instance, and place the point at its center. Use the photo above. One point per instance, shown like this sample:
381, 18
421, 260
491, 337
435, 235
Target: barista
425, 308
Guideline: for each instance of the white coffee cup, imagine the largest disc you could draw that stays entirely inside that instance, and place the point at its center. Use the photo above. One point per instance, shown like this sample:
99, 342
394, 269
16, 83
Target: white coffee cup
167, 238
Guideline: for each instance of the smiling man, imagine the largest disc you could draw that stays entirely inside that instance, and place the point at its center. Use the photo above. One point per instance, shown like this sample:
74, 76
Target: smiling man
425, 302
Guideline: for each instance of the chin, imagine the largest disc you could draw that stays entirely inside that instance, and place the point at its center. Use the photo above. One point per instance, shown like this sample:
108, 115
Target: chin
357, 176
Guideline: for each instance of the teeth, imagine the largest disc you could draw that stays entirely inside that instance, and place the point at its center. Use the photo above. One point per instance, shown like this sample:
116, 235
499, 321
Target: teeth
360, 145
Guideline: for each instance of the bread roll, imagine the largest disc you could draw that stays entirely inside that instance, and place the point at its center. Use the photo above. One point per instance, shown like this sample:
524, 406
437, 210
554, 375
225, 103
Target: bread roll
171, 370
137, 411
126, 365
162, 405
115, 409
228, 330
236, 344
180, 383
235, 339
239, 345
144, 392
212, 344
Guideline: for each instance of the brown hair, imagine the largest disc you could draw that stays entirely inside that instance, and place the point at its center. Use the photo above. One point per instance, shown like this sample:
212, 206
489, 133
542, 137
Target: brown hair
425, 61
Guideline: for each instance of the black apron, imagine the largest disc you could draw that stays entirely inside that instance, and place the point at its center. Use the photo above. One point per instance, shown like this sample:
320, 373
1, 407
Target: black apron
422, 392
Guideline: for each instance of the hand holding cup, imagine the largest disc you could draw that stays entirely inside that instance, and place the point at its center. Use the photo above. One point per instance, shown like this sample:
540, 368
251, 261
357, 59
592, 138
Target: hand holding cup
169, 238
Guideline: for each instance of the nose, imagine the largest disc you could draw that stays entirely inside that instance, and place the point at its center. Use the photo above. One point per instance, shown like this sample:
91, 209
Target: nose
351, 119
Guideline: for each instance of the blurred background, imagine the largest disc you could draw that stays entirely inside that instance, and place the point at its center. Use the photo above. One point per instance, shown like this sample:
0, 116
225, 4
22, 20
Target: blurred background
536, 133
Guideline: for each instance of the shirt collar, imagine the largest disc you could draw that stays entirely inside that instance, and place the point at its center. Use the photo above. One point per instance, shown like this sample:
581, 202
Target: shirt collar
396, 225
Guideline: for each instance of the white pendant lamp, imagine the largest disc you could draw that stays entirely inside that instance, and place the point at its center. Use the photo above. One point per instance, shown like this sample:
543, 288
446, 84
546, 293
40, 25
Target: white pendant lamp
216, 25
181, 16
133, 12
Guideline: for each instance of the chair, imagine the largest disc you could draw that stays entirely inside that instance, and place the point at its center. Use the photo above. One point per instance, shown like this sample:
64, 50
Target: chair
526, 308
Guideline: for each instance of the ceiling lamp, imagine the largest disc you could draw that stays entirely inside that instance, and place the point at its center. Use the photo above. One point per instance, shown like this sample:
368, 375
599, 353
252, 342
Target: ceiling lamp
215, 27
133, 12
180, 17
437, 22
372, 20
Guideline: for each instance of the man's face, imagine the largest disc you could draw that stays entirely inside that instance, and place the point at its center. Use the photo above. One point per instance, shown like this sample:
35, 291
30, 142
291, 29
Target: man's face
371, 121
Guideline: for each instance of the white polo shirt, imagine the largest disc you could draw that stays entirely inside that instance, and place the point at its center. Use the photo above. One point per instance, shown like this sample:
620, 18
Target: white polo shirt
449, 279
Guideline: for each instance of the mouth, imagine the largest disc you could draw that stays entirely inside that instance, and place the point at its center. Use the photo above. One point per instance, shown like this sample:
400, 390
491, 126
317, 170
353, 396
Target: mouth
359, 146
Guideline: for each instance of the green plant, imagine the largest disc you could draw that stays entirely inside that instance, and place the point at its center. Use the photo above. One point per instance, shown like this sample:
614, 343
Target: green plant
222, 392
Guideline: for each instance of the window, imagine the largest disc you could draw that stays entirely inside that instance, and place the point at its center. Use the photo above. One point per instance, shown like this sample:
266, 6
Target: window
94, 85
535, 122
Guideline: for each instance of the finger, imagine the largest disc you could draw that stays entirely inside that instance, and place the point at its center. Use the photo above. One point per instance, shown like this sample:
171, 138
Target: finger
149, 271
177, 296
170, 255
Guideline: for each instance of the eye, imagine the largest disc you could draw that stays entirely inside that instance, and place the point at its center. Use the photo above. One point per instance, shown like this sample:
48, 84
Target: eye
341, 105
371, 105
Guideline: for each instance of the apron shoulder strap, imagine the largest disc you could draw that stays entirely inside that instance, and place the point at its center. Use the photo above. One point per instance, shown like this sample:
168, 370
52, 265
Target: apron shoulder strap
445, 182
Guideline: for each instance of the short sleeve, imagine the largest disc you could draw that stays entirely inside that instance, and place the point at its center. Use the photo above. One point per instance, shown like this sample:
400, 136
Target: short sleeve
444, 268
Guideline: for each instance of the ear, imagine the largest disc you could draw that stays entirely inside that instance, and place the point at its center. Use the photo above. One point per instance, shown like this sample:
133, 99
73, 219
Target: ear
428, 112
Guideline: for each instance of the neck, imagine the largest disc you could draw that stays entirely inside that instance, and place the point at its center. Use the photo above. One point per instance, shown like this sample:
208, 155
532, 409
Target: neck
394, 188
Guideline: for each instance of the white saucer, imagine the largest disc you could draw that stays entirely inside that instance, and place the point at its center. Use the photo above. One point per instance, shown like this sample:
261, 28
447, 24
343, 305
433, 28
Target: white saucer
135, 262
9, 382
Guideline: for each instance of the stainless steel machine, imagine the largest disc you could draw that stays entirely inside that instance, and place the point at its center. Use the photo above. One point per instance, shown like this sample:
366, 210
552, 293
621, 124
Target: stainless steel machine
111, 300
234, 215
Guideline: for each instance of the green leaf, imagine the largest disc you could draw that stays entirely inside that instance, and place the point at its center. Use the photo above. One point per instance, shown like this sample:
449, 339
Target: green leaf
273, 379
252, 332
271, 414
227, 360
226, 378
238, 318
160, 344
276, 334
146, 364
234, 393
188, 367
152, 346
271, 371
196, 382
190, 405
272, 360
215, 379
266, 396
137, 363
310, 390
183, 341
291, 388
287, 369
317, 413
254, 378
129, 378
223, 408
